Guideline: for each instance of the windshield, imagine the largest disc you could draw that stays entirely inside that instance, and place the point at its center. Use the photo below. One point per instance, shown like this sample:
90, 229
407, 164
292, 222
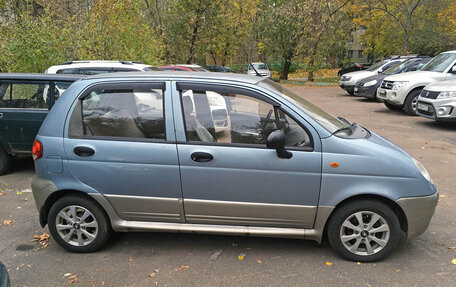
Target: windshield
396, 68
440, 62
326, 120
259, 66
376, 65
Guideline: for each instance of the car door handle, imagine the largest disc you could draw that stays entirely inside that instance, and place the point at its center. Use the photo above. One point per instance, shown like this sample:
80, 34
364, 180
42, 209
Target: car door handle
202, 157
83, 151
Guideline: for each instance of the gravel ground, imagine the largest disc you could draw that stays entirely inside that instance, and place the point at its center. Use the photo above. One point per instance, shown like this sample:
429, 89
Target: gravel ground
164, 259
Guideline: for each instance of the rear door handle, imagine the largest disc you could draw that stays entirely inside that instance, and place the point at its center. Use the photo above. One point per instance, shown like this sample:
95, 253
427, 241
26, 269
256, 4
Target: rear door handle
83, 151
202, 157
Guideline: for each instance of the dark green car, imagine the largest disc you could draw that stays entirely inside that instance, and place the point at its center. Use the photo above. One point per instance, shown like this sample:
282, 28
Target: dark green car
25, 100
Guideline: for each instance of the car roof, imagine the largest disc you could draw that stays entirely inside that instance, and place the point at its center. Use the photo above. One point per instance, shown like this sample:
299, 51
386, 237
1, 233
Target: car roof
178, 75
40, 77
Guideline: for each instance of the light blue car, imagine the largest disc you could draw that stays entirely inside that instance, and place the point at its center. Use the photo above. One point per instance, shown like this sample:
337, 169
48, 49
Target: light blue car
140, 152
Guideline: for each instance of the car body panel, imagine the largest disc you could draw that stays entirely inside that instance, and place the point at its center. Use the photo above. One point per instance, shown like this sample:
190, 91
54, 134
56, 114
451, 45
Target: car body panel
443, 109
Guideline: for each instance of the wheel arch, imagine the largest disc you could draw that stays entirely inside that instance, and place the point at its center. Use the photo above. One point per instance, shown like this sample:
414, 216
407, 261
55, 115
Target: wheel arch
392, 204
55, 196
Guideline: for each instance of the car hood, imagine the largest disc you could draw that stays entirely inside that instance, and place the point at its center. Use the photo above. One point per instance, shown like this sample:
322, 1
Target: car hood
443, 86
378, 77
417, 76
259, 71
370, 156
360, 74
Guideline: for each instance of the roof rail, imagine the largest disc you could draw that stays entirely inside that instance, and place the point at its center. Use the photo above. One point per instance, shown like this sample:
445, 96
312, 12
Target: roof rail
89, 61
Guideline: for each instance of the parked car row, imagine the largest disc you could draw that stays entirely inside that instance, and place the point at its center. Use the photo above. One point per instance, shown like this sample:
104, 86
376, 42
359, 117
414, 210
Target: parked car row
418, 85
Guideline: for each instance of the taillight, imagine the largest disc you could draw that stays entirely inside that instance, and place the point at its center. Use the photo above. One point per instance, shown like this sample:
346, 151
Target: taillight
37, 150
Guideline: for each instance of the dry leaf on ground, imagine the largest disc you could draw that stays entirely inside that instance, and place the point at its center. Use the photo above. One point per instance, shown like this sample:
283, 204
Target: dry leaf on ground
328, 263
259, 261
2, 193
452, 248
241, 256
453, 261
73, 279
152, 274
7, 222
131, 259
182, 268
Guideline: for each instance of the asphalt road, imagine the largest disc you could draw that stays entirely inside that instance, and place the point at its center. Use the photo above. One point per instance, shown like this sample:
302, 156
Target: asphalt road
165, 259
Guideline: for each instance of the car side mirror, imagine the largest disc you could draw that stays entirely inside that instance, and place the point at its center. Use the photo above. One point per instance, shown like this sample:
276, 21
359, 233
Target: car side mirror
276, 140
380, 71
453, 69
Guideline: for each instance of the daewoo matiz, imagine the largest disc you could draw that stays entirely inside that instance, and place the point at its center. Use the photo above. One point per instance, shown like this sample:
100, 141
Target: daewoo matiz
140, 152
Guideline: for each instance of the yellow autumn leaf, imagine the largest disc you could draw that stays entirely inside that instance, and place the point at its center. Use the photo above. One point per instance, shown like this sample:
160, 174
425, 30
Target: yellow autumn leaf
241, 257
453, 261
329, 263
7, 222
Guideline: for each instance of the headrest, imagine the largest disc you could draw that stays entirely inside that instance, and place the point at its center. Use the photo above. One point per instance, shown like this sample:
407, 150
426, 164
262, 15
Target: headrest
188, 105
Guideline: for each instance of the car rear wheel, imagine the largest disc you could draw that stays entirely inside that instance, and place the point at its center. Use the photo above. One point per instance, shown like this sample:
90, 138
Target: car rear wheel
364, 231
392, 107
411, 102
6, 161
78, 224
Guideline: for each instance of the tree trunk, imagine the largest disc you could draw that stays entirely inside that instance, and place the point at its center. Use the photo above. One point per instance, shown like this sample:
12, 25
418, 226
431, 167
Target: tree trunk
407, 33
286, 69
191, 54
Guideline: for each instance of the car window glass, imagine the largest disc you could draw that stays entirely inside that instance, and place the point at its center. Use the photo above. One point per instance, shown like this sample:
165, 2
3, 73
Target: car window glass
60, 87
128, 113
94, 71
440, 62
389, 65
416, 67
24, 95
217, 117
67, 71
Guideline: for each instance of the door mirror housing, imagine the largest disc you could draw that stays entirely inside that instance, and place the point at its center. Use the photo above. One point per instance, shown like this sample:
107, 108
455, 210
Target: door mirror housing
276, 140
453, 69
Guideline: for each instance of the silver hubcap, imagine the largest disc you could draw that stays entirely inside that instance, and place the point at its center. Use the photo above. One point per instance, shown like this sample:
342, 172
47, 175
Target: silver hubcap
364, 233
415, 103
76, 225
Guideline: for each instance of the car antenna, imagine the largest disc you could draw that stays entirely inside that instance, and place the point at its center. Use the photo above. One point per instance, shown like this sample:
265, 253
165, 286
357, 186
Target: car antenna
258, 74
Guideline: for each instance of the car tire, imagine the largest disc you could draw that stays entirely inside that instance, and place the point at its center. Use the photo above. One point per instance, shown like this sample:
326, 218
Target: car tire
6, 161
89, 231
357, 242
351, 93
392, 107
411, 102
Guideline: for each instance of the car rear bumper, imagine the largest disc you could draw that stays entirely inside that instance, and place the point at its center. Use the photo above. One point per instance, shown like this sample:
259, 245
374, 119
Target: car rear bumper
419, 211
439, 110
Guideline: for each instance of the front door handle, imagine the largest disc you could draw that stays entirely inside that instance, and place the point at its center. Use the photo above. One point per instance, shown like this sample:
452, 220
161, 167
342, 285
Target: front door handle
202, 157
83, 151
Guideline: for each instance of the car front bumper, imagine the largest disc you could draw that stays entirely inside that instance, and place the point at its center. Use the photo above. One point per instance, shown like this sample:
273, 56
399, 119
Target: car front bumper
418, 211
439, 110
367, 92
395, 97
347, 86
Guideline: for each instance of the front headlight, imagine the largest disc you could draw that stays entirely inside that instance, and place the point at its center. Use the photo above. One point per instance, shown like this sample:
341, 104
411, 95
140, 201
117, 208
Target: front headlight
423, 170
398, 85
346, 78
370, 83
446, 95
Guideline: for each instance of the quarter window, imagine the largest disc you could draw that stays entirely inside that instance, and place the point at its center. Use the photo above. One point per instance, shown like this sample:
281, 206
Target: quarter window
127, 113
24, 95
224, 117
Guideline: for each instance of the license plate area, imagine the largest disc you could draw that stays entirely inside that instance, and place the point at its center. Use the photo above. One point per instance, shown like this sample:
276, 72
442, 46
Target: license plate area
423, 107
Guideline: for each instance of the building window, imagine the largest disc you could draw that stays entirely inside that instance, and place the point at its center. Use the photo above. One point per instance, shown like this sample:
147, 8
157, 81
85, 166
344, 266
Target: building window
350, 54
360, 54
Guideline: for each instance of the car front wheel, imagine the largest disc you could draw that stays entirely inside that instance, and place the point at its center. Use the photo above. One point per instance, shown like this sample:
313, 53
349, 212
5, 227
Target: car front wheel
392, 107
78, 224
364, 231
411, 103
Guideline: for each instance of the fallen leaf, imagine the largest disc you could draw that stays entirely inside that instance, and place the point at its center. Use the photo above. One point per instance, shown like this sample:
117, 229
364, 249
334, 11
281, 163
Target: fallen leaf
152, 274
328, 263
182, 268
259, 261
41, 237
358, 263
398, 270
73, 279
2, 193
7, 222
368, 285
452, 248
131, 259
453, 261
18, 192
241, 256
442, 195
156, 283
102, 283
67, 274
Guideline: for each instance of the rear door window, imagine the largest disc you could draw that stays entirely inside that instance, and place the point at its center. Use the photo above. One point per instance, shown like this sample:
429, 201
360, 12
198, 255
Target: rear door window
121, 113
24, 95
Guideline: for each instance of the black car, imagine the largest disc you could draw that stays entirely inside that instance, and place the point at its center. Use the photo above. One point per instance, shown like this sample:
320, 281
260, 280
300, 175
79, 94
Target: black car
367, 87
221, 69
351, 67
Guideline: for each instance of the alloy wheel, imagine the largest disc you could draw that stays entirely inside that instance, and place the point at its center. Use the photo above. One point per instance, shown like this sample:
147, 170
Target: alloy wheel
76, 225
364, 233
